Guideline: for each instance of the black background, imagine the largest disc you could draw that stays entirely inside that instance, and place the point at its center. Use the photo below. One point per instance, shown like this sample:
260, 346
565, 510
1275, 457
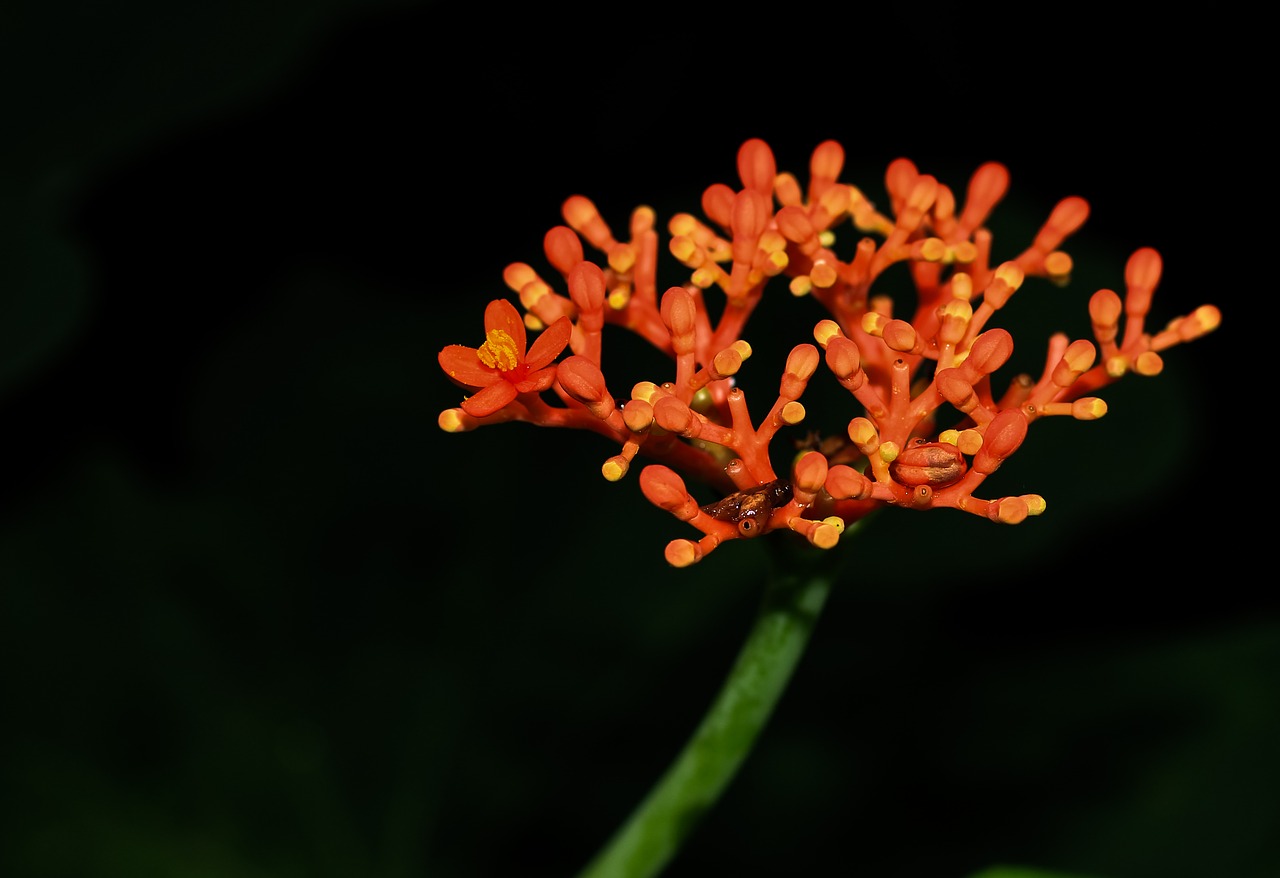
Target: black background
260, 616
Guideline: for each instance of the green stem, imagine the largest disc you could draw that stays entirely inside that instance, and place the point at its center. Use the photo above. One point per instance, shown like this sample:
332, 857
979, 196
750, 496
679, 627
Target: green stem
655, 831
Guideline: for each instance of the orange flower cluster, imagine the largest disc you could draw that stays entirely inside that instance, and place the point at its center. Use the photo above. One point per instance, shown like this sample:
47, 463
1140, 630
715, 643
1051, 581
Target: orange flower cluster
901, 374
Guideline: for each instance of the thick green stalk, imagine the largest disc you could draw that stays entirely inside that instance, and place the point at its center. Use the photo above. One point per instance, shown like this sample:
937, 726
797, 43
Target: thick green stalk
655, 831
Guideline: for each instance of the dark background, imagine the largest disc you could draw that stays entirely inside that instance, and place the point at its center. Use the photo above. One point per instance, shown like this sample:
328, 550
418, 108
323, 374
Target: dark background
259, 616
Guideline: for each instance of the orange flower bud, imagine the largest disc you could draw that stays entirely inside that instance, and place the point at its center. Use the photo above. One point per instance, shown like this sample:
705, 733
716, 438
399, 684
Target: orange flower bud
750, 216
583, 380
1141, 275
846, 483
1076, 360
665, 489
793, 223
986, 187
757, 166
679, 313
1000, 439
717, 203
1105, 309
587, 289
581, 214
809, 474
843, 357
563, 248
990, 351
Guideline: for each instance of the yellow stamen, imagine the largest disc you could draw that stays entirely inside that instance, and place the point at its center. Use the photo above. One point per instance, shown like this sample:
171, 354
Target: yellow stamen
499, 351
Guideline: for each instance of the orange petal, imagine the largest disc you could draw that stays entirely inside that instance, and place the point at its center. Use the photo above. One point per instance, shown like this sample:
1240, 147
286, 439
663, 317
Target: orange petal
491, 399
462, 365
538, 381
548, 345
501, 314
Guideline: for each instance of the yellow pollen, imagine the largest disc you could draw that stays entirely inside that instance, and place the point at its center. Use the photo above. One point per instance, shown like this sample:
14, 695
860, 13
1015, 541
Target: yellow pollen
498, 351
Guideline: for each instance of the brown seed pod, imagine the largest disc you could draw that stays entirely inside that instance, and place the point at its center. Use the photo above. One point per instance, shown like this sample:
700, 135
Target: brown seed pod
750, 509
936, 464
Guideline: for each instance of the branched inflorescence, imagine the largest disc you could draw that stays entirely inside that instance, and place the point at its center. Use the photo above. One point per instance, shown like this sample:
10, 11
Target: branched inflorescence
902, 374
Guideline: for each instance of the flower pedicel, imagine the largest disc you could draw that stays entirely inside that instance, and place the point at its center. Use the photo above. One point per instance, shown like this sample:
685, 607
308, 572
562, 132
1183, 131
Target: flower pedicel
899, 372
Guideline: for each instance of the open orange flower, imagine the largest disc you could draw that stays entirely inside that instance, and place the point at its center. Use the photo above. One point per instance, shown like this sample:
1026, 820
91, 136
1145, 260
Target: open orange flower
500, 366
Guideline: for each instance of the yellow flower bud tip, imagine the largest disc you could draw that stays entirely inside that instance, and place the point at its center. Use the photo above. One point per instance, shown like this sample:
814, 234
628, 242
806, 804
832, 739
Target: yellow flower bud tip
969, 441
825, 330
622, 257
835, 521
823, 275
637, 414
686, 251
1011, 274
962, 286
1008, 510
800, 286
726, 363
703, 279
949, 436
743, 348
802, 362
1035, 503
647, 391
792, 413
824, 536
826, 238
682, 553
682, 224
889, 451
619, 298
1088, 408
533, 292
1079, 355
642, 220
1148, 363
932, 250
776, 263
533, 323
1207, 318
964, 252
862, 432
956, 309
772, 241
1117, 365
1058, 265
615, 468
518, 275
455, 421
873, 324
